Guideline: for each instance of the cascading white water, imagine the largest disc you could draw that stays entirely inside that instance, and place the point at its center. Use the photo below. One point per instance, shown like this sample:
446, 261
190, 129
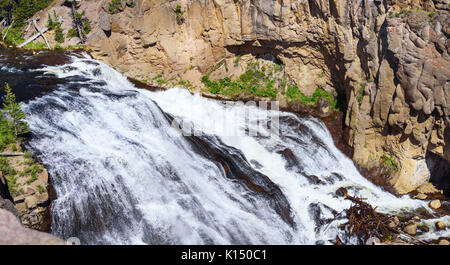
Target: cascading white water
124, 175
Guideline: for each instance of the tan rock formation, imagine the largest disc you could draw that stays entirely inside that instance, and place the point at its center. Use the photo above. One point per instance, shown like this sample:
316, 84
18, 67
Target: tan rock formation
388, 60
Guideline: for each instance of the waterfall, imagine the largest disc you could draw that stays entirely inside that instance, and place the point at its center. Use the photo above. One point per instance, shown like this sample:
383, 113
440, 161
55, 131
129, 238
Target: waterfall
124, 174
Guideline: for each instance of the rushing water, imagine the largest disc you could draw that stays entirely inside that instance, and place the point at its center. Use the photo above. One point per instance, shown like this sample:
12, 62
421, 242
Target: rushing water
124, 175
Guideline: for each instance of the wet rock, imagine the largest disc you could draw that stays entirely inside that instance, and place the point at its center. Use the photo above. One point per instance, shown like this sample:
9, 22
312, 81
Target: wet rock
411, 229
416, 219
320, 242
423, 228
444, 242
314, 180
435, 204
440, 225
289, 156
341, 192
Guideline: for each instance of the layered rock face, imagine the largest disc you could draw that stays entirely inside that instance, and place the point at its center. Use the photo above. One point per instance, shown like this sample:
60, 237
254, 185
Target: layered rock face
387, 59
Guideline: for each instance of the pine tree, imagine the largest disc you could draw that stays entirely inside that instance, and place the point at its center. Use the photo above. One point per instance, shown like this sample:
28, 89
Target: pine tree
15, 113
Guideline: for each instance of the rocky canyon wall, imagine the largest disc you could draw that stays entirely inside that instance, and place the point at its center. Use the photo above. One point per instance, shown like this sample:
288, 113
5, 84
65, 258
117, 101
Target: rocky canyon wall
387, 59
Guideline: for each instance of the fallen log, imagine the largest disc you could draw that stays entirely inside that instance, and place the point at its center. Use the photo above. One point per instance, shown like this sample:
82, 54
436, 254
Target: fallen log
28, 26
11, 154
32, 38
42, 34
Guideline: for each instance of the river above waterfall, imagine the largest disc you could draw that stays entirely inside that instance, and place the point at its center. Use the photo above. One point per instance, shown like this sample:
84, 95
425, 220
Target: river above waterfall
123, 174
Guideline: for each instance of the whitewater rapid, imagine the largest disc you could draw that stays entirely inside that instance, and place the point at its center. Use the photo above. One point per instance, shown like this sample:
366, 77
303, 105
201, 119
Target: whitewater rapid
124, 175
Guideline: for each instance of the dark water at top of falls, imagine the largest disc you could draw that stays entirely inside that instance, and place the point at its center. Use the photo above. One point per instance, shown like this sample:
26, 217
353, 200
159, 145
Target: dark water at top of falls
123, 174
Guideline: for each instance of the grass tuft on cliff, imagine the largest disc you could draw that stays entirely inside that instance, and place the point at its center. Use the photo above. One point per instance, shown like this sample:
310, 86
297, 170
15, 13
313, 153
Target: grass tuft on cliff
389, 163
114, 6
295, 94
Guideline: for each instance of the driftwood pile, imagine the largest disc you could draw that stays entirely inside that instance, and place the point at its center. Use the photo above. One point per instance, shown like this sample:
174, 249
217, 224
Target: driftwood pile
364, 222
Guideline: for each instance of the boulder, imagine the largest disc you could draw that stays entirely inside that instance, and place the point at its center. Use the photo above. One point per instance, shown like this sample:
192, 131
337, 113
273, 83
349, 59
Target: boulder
411, 229
435, 204
104, 21
440, 225
423, 228
444, 242
416, 219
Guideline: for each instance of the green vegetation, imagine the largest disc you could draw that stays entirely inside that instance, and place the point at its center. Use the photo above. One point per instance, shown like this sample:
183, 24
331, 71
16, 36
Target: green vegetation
10, 173
83, 22
58, 47
15, 114
294, 93
237, 59
35, 46
55, 24
19, 11
264, 81
253, 81
72, 33
12, 122
114, 6
13, 37
86, 26
40, 188
184, 83
59, 35
179, 13
389, 163
6, 134
160, 80
402, 13
12, 125
406, 12
360, 95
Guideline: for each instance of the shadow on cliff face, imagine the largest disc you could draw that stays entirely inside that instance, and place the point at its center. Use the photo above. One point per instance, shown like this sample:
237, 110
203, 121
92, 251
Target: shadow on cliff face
440, 172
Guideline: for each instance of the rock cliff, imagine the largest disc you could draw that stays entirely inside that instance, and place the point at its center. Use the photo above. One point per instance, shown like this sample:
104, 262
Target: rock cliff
13, 233
387, 60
